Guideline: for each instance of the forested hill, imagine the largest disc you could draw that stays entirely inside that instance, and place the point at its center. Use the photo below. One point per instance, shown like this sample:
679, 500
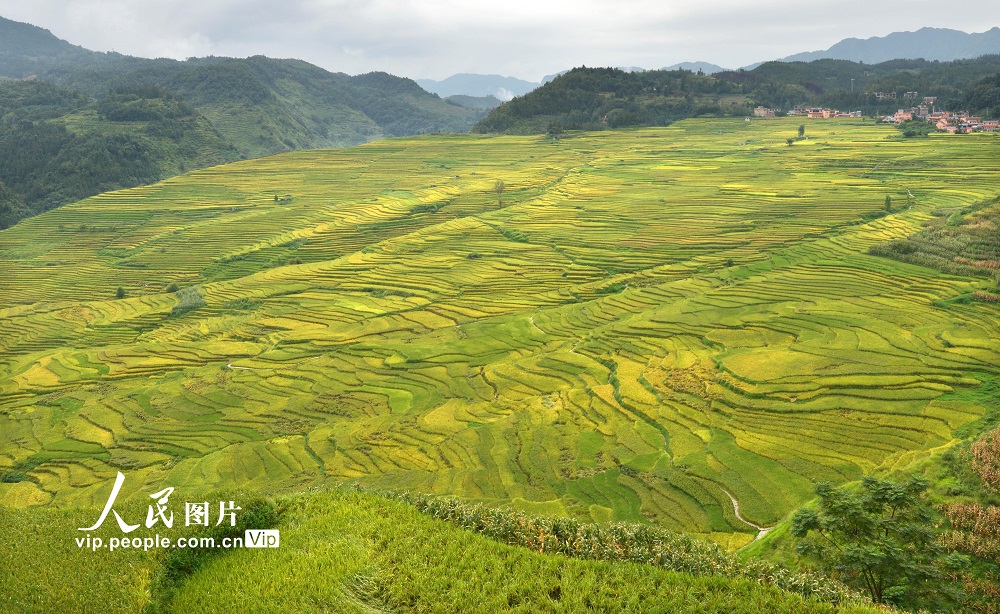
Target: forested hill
264, 105
600, 98
58, 145
261, 105
75, 122
26, 49
595, 98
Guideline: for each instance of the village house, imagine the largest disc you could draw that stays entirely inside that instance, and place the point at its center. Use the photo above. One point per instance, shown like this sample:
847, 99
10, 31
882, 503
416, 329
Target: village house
902, 116
821, 113
963, 123
947, 124
953, 122
945, 121
763, 112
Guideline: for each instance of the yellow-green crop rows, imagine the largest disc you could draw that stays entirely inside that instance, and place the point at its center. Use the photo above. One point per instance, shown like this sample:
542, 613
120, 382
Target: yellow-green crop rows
652, 321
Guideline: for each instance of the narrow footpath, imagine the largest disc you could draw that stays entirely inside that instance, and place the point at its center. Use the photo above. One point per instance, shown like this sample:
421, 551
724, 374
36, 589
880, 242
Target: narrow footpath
761, 531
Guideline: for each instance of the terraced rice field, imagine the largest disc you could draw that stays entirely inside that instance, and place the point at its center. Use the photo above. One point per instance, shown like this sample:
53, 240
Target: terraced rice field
653, 321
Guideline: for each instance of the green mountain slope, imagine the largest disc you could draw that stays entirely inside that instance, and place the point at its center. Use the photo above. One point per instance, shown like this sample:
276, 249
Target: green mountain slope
26, 50
260, 104
347, 552
234, 108
596, 98
483, 103
600, 98
58, 145
984, 97
265, 105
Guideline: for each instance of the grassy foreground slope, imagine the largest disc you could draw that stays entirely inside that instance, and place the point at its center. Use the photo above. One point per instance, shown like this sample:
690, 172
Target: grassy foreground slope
653, 325
353, 552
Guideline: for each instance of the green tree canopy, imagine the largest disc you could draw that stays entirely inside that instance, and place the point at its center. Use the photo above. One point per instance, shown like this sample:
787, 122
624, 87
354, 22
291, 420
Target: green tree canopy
880, 538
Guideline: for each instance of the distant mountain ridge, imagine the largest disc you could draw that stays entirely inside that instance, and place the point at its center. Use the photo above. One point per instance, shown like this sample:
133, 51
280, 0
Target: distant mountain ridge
482, 103
706, 67
940, 44
469, 84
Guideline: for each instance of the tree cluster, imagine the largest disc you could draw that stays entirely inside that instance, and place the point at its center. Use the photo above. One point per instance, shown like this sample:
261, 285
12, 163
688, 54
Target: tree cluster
44, 163
142, 104
881, 538
599, 98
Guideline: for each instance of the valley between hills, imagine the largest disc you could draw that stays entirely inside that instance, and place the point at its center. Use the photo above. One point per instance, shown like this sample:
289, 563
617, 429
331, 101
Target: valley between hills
682, 329
710, 322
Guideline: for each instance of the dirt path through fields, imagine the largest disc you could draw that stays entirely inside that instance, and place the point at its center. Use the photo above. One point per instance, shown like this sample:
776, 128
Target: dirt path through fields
761, 531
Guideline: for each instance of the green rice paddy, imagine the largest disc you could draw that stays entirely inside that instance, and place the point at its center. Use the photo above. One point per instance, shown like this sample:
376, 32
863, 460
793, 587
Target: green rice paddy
653, 321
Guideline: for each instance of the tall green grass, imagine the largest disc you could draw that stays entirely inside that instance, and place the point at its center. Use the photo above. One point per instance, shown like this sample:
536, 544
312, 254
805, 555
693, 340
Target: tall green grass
348, 551
636, 543
355, 552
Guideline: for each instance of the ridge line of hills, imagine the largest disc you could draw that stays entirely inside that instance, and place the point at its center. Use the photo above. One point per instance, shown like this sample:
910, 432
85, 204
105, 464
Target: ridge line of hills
941, 44
74, 122
932, 44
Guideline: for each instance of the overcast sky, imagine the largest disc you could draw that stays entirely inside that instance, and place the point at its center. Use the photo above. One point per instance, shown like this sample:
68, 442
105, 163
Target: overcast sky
519, 38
